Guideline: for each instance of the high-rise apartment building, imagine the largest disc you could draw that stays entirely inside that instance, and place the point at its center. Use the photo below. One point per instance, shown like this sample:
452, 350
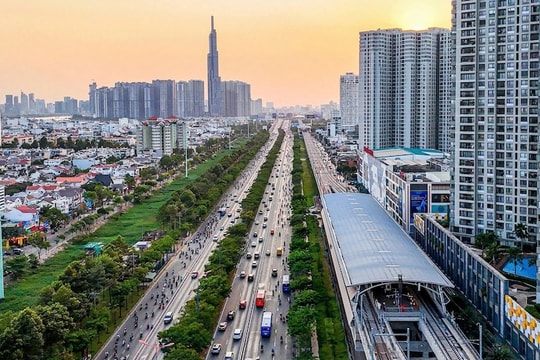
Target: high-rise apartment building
348, 103
236, 98
214, 81
401, 97
161, 136
496, 134
190, 98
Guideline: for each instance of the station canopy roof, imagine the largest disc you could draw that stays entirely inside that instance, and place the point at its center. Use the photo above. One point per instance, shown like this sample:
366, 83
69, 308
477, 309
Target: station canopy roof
373, 247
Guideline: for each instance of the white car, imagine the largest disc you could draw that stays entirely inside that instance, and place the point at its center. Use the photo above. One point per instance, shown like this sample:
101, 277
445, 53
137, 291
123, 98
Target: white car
216, 348
237, 335
229, 355
253, 244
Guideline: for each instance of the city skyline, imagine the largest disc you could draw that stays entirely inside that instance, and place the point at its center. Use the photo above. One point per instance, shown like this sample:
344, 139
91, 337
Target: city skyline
291, 54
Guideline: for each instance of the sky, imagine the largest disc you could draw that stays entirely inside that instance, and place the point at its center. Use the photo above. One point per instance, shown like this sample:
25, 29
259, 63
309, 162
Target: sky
292, 52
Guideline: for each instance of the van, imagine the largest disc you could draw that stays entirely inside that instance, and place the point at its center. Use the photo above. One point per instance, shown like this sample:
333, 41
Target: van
279, 251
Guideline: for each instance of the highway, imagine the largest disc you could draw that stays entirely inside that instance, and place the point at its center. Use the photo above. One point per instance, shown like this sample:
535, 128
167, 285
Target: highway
272, 214
136, 337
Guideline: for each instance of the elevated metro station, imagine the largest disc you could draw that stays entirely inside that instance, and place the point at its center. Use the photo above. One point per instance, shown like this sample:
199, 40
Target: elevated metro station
393, 296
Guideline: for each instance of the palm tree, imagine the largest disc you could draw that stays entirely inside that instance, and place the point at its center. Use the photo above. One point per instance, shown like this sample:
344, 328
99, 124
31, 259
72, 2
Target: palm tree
522, 233
484, 240
514, 256
492, 251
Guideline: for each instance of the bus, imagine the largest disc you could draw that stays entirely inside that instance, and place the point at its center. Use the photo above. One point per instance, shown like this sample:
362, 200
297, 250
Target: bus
259, 300
266, 324
285, 283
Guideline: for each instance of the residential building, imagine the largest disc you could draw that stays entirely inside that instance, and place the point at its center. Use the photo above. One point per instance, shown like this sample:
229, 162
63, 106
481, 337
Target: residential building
401, 95
348, 103
160, 136
496, 146
190, 98
236, 98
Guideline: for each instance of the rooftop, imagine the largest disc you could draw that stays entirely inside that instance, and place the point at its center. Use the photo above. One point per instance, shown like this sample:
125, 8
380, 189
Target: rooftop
373, 247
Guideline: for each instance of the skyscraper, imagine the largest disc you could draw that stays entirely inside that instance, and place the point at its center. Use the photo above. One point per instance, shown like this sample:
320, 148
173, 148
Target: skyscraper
214, 81
348, 102
236, 98
401, 97
496, 141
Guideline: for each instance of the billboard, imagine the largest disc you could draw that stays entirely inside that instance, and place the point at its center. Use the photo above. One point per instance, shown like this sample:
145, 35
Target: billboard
419, 202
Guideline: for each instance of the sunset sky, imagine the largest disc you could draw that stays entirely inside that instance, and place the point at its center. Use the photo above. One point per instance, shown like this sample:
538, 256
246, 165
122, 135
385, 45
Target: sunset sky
290, 51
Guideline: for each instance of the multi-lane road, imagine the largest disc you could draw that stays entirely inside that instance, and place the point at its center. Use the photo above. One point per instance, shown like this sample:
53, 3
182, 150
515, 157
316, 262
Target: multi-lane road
136, 337
272, 216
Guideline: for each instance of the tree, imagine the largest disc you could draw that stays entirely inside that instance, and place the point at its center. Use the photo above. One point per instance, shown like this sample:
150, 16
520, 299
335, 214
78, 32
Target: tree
499, 352
492, 252
484, 239
166, 162
522, 233
57, 324
38, 239
23, 338
514, 256
43, 143
129, 180
53, 216
17, 266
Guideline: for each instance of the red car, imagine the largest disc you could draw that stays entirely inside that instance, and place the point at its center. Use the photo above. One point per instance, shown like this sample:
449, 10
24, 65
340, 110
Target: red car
243, 304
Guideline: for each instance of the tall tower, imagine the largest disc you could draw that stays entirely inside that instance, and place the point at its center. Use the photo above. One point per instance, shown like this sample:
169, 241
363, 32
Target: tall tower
402, 100
214, 81
497, 114
348, 102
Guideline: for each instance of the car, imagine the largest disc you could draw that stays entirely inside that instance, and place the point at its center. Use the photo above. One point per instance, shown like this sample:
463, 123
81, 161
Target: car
17, 251
248, 255
257, 255
264, 226
222, 326
242, 305
257, 222
229, 355
194, 274
215, 238
229, 214
250, 277
168, 318
255, 234
272, 231
230, 315
221, 228
266, 218
261, 239
237, 335
216, 348
268, 252
260, 212
253, 244
238, 210
242, 274
274, 272
254, 264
